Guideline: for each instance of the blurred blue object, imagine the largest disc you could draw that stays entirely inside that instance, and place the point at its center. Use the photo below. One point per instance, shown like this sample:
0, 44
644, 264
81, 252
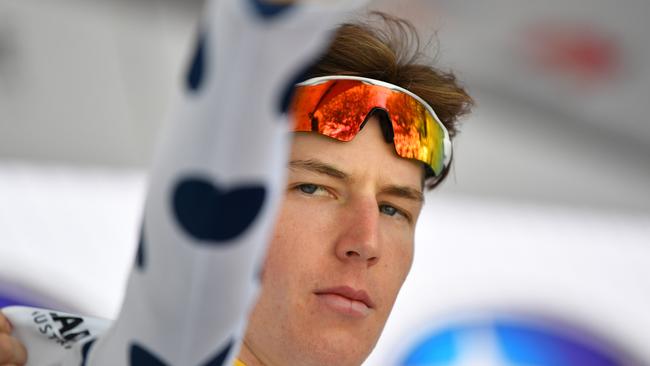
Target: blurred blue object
512, 341
9, 300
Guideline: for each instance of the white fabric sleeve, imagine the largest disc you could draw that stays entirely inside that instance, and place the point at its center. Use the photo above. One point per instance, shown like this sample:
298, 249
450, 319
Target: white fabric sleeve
213, 191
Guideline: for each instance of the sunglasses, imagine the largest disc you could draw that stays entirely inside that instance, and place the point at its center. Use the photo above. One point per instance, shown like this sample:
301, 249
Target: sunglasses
339, 106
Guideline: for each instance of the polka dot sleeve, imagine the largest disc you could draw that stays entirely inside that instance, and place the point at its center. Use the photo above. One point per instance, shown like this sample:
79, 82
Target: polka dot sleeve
213, 191
215, 187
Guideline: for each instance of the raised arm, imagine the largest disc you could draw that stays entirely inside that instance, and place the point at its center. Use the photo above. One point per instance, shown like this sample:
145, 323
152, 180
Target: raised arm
214, 188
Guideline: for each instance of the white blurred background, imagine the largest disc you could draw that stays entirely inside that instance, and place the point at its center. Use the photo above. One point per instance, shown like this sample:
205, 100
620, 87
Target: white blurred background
547, 209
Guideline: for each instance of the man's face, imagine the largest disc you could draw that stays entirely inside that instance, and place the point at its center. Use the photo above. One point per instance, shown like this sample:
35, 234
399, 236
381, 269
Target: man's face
342, 248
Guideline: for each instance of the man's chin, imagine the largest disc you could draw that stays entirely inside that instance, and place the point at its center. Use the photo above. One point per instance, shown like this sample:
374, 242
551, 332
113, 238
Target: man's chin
334, 345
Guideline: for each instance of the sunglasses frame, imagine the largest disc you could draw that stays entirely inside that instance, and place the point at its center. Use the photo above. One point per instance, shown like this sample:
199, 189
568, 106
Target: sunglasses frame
447, 143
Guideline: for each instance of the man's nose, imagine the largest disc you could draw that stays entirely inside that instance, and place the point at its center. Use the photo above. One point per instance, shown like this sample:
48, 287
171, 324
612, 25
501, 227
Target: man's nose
358, 239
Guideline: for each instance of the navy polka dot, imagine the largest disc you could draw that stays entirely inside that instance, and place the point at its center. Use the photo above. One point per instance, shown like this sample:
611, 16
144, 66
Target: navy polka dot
84, 351
221, 357
214, 214
268, 10
139, 255
141, 357
195, 74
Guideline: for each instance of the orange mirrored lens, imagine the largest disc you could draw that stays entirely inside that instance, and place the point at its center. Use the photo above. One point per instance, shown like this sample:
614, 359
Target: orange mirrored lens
417, 135
337, 108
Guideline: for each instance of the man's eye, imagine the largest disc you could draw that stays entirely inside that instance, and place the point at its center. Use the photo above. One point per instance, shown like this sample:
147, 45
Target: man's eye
392, 211
312, 189
308, 188
388, 210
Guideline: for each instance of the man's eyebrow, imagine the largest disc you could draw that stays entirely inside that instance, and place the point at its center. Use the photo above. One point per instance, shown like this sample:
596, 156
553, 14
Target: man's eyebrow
319, 167
404, 192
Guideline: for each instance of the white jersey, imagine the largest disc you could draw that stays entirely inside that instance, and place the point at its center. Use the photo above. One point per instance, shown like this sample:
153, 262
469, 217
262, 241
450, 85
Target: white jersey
214, 189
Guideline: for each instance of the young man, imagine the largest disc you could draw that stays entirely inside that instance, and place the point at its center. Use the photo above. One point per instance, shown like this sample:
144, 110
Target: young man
361, 154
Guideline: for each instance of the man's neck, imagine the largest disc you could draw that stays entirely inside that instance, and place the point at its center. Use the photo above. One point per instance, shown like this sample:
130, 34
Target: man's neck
247, 357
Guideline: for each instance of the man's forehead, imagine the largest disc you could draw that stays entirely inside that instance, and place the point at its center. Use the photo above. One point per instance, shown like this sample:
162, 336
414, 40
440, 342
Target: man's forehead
367, 152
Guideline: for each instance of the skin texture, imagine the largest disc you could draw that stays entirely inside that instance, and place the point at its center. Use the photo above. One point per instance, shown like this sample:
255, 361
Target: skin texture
331, 231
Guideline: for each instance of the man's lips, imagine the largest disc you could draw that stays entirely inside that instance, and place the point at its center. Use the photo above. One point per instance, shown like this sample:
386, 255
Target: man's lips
346, 300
